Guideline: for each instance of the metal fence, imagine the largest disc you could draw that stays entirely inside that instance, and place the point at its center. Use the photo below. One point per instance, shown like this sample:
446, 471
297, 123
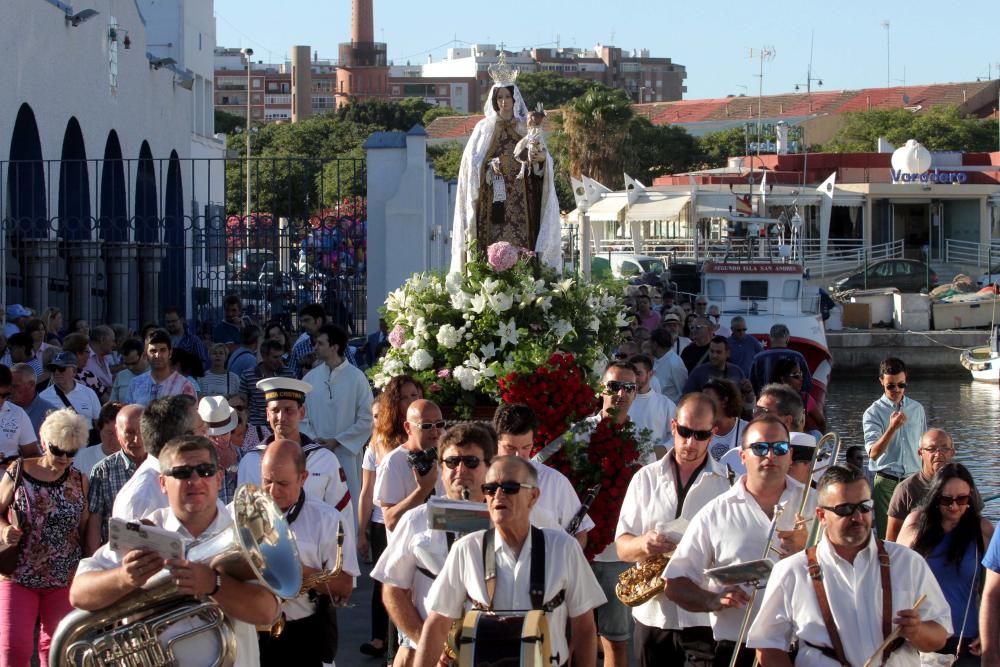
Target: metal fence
118, 240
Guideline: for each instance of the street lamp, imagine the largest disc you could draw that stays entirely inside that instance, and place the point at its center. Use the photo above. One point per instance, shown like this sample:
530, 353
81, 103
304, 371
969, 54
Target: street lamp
246, 53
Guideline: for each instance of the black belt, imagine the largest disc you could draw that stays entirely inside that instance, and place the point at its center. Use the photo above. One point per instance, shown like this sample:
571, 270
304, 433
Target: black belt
895, 478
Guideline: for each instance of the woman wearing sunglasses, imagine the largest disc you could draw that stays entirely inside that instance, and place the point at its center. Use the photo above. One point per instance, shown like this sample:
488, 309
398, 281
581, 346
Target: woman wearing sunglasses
951, 533
787, 372
47, 499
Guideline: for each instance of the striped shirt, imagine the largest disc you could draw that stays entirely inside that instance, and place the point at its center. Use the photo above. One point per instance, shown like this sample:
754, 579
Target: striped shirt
257, 406
106, 479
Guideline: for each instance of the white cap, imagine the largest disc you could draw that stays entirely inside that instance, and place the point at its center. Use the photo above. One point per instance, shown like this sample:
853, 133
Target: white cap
278, 388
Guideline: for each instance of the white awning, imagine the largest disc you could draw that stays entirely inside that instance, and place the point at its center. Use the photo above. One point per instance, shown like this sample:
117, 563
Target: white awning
609, 209
657, 208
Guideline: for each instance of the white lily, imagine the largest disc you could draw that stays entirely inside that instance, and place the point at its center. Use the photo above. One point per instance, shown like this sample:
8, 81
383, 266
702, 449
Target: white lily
500, 302
507, 333
478, 303
489, 351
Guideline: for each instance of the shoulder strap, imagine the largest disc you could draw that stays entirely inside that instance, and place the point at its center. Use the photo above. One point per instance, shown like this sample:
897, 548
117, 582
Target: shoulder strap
824, 606
62, 396
489, 566
886, 577
536, 579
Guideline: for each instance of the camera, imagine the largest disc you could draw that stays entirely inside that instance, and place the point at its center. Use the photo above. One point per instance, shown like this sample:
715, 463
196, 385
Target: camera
423, 460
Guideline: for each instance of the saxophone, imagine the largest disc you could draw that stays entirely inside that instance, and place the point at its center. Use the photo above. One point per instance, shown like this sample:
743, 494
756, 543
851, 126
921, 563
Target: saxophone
155, 626
641, 582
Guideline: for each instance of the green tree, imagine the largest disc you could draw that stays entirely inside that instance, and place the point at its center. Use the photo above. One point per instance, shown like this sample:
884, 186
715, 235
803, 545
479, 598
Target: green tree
226, 123
653, 150
941, 128
714, 148
446, 158
591, 132
401, 115
551, 89
437, 112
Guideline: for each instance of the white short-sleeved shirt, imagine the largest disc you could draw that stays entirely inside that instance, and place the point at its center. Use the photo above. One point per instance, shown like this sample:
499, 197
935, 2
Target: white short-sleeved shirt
88, 457
15, 429
654, 411
731, 529
315, 531
82, 398
566, 569
326, 482
789, 607
247, 651
558, 498
652, 498
368, 463
723, 442
394, 480
141, 494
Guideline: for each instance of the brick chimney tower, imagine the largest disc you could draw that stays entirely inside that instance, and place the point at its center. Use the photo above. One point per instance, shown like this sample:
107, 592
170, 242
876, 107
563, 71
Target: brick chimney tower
362, 70
362, 23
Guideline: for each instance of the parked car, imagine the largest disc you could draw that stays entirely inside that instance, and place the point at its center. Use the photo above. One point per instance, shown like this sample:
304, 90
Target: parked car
625, 265
991, 278
247, 264
906, 275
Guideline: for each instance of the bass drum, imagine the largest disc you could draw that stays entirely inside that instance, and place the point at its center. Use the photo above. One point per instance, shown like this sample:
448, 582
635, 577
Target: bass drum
505, 639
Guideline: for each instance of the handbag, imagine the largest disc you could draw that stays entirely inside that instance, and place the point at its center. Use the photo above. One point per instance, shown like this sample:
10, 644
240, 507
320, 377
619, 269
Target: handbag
9, 552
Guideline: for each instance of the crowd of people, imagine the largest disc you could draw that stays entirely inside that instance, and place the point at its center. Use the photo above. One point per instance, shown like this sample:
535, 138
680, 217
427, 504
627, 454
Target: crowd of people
886, 554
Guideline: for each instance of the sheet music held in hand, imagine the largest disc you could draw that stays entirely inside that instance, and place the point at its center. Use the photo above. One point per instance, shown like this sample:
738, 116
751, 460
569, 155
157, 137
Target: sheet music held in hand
457, 516
742, 573
125, 536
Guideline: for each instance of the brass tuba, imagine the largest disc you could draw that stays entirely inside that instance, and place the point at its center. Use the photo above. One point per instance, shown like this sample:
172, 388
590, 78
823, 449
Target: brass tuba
155, 626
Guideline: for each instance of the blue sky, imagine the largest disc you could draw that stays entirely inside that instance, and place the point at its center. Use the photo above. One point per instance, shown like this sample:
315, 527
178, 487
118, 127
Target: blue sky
929, 42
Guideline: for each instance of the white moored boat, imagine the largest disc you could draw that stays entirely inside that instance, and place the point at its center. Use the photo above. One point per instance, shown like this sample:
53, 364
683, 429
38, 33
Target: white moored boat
984, 361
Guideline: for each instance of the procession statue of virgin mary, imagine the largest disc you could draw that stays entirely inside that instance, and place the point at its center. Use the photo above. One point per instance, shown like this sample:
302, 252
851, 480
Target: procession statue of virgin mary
506, 191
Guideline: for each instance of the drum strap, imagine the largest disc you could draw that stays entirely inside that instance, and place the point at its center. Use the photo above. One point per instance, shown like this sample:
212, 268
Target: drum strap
816, 574
536, 580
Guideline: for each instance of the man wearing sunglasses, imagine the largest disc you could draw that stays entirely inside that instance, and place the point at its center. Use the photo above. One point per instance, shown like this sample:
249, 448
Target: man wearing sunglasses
696, 353
284, 398
936, 450
515, 426
763, 363
847, 567
779, 401
732, 529
190, 481
893, 426
676, 486
401, 487
309, 637
569, 590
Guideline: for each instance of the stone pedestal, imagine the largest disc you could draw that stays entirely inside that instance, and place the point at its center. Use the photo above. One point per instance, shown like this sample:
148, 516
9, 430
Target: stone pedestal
83, 256
37, 260
150, 267
119, 261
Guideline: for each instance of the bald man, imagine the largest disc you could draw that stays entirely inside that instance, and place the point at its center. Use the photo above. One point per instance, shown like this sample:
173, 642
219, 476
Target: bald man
401, 487
936, 449
309, 637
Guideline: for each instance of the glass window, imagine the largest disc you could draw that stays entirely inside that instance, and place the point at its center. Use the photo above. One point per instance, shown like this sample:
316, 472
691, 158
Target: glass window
753, 289
790, 289
716, 289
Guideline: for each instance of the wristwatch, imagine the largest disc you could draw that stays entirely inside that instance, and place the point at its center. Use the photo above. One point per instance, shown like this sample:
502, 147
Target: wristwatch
218, 584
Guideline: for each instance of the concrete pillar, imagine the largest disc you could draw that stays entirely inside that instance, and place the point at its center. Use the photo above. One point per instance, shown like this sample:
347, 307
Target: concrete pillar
150, 266
119, 258
83, 256
38, 256
301, 83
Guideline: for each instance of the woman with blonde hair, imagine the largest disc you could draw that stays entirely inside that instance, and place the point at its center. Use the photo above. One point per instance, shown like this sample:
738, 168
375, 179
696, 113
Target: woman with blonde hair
53, 320
387, 434
47, 497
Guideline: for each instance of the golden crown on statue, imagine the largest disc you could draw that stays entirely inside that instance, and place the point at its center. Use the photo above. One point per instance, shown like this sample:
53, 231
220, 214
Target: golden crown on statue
502, 73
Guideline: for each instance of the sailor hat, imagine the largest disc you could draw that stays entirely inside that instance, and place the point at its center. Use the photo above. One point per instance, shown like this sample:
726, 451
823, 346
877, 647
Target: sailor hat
278, 388
218, 415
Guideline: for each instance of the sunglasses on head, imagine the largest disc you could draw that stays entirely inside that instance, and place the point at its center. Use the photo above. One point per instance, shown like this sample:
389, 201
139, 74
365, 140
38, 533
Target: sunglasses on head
895, 385
779, 447
185, 472
614, 386
948, 501
59, 451
508, 488
848, 509
471, 462
686, 432
759, 410
426, 426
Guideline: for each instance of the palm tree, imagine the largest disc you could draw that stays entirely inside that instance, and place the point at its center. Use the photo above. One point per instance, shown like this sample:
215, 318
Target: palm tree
595, 128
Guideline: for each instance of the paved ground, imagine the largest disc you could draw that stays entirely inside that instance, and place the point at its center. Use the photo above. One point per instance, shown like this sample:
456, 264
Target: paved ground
355, 625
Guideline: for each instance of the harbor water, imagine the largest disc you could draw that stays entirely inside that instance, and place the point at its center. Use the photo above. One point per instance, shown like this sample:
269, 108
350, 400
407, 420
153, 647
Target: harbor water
969, 411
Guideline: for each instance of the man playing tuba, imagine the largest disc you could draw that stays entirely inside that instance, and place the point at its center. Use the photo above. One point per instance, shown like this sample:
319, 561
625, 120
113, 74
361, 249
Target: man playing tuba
306, 637
190, 479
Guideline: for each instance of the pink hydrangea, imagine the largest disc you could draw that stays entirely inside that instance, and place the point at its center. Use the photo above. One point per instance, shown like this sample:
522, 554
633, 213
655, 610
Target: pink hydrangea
444, 373
502, 255
397, 336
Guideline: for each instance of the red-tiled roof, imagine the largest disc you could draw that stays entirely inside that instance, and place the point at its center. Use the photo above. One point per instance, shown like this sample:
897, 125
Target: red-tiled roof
972, 97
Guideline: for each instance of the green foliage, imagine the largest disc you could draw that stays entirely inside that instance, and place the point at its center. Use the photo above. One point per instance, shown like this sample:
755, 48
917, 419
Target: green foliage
437, 112
226, 123
446, 158
553, 90
942, 128
654, 150
401, 115
594, 128
714, 148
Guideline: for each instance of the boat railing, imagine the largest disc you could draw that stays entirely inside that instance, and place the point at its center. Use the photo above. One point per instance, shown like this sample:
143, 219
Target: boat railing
770, 306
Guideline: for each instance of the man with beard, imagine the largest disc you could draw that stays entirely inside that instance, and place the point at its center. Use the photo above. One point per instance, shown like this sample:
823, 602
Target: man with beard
829, 593
936, 450
676, 486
